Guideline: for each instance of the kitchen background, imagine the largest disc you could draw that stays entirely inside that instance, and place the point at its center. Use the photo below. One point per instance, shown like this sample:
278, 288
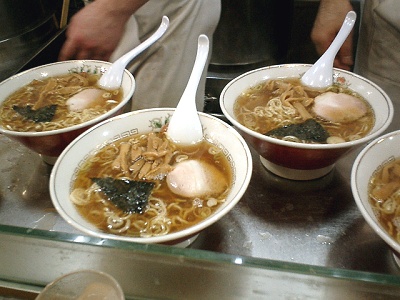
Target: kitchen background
251, 34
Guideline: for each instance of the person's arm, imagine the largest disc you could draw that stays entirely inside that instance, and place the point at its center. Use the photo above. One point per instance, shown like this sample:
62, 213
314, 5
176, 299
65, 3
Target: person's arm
95, 31
329, 19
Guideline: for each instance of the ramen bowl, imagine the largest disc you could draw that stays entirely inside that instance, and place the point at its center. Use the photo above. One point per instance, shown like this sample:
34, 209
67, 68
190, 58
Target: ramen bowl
377, 154
303, 161
229, 142
50, 144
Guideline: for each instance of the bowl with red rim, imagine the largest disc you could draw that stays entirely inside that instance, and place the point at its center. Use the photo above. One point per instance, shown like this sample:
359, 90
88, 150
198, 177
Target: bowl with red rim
50, 144
304, 161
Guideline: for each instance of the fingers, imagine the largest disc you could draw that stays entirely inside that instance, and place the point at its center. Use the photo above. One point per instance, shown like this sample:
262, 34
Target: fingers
347, 60
68, 51
345, 54
92, 54
340, 65
73, 50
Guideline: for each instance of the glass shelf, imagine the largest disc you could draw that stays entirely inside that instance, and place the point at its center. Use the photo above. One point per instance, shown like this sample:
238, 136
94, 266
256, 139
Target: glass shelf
30, 258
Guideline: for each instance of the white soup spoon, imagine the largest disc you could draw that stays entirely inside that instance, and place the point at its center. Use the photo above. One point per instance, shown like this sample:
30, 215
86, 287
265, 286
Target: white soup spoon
112, 78
185, 127
320, 75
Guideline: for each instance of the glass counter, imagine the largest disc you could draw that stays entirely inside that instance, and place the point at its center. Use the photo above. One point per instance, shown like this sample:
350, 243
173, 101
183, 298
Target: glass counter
30, 260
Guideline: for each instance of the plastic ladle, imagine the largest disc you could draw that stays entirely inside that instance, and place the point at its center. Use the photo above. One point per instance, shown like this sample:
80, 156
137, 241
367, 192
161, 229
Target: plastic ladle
185, 127
112, 78
320, 75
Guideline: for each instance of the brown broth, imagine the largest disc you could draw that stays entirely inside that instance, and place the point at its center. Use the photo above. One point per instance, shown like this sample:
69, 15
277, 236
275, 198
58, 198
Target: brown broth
384, 197
62, 88
177, 208
250, 109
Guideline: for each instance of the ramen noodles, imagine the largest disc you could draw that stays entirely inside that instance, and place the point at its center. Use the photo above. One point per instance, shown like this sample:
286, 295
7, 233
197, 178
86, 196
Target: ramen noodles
384, 197
145, 185
284, 107
57, 102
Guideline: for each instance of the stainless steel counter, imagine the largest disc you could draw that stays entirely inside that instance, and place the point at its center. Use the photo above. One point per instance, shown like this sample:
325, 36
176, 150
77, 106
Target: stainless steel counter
282, 235
312, 222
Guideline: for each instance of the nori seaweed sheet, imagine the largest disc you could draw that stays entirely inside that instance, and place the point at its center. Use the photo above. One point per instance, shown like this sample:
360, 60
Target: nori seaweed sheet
129, 195
310, 130
43, 114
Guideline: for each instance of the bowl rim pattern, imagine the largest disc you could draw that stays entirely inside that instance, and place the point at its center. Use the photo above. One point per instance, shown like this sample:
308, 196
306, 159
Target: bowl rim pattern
56, 70
359, 176
388, 118
91, 230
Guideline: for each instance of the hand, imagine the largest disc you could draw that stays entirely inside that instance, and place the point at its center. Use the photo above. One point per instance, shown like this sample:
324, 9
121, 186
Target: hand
95, 31
330, 17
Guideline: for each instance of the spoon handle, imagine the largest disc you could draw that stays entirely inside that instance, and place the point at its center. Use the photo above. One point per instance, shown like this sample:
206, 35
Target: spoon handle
320, 75
185, 126
342, 35
195, 76
112, 78
127, 57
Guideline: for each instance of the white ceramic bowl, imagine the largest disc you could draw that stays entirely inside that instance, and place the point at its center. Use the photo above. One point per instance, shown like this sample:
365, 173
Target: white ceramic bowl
51, 143
376, 154
300, 161
144, 121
